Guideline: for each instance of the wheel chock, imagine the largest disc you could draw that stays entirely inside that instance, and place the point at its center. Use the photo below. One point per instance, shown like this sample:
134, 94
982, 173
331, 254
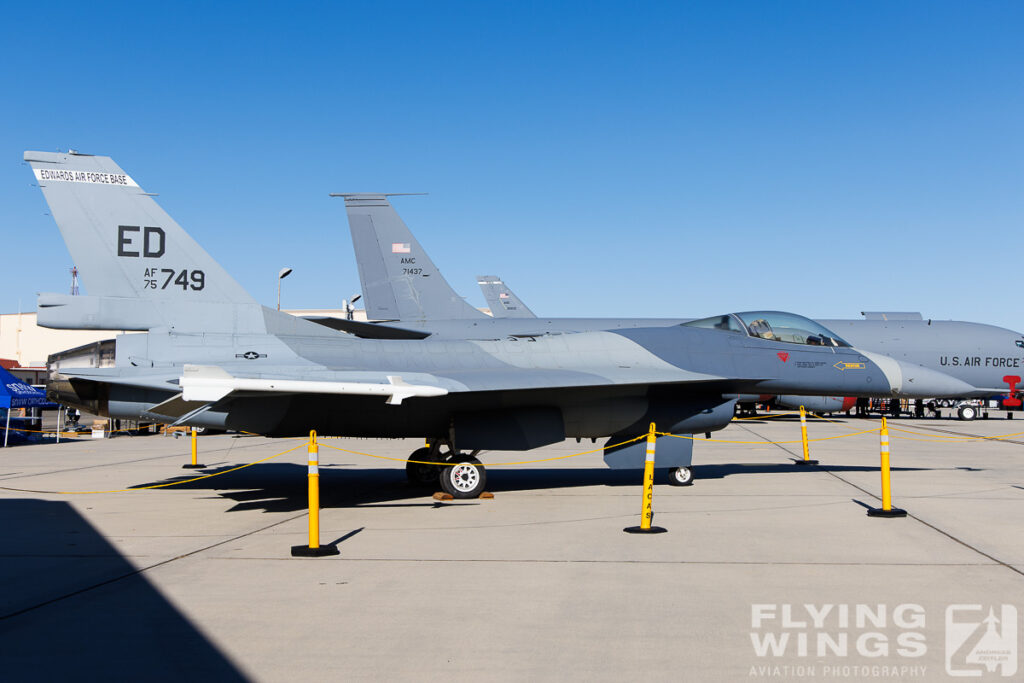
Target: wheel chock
440, 495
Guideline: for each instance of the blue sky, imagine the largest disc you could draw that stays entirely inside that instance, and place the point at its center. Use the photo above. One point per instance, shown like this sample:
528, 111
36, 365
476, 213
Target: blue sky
606, 159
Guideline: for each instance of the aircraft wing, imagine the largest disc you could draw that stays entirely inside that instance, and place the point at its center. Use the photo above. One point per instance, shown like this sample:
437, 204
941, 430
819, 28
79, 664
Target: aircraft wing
213, 383
206, 384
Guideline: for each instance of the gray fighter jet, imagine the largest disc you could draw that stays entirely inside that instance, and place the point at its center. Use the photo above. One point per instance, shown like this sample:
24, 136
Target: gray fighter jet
212, 356
987, 357
403, 288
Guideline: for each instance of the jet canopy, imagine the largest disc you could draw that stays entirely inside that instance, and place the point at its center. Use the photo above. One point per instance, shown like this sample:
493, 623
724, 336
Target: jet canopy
774, 325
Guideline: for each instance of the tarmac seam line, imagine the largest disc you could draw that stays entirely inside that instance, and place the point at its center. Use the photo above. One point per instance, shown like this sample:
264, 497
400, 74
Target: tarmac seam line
909, 514
972, 436
22, 475
141, 570
672, 562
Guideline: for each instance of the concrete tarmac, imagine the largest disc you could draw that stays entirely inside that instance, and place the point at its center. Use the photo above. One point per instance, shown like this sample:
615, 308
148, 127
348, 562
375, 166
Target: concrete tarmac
769, 571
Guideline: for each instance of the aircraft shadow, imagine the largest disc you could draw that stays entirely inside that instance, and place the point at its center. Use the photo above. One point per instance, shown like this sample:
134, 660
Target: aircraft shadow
73, 608
282, 487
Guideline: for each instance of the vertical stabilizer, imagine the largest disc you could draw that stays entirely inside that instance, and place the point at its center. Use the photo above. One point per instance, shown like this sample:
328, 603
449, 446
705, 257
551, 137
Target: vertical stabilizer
131, 255
502, 300
399, 280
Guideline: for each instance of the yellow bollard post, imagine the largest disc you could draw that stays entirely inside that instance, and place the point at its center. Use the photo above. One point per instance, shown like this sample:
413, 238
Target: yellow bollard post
195, 454
887, 510
314, 548
647, 510
803, 436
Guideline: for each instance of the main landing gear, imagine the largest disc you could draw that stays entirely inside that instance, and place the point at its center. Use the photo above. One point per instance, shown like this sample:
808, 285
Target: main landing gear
461, 475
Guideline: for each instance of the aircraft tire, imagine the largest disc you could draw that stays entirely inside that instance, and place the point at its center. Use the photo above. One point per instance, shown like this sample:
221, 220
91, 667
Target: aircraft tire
680, 476
967, 412
464, 479
419, 474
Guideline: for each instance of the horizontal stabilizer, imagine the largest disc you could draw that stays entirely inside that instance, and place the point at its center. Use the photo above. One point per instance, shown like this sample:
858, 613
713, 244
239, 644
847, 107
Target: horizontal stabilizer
368, 330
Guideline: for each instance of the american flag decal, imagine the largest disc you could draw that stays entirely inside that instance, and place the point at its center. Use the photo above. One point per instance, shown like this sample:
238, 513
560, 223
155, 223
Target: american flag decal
400, 248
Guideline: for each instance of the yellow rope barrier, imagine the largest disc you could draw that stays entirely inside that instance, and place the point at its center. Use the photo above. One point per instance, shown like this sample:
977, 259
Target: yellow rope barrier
910, 430
86, 434
938, 438
766, 416
943, 437
761, 443
494, 464
160, 486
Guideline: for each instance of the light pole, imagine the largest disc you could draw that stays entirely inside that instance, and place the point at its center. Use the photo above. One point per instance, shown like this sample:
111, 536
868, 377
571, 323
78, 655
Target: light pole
349, 308
285, 272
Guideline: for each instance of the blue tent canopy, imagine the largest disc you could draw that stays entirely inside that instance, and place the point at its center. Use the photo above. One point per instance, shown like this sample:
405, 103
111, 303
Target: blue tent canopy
16, 394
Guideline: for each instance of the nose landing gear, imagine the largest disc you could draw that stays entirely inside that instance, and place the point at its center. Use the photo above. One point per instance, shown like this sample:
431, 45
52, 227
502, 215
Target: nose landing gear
680, 476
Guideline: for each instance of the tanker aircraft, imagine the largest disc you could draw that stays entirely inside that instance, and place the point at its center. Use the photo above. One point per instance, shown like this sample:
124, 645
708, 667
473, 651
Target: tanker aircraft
405, 290
212, 356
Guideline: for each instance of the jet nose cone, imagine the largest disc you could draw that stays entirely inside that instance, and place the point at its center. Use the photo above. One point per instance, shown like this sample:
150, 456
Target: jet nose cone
921, 382
909, 380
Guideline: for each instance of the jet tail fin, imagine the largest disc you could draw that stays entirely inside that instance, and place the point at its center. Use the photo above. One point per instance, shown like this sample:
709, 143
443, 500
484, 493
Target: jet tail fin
130, 250
502, 300
399, 280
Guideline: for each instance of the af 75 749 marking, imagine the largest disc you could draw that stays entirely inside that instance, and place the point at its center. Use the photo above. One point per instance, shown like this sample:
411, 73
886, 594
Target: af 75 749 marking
186, 279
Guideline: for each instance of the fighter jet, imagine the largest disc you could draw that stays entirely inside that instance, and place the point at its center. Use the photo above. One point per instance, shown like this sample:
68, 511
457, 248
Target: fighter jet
987, 357
212, 356
404, 289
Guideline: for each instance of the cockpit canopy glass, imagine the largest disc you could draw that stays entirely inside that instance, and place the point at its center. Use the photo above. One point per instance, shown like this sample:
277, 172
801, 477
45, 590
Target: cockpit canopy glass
727, 323
773, 325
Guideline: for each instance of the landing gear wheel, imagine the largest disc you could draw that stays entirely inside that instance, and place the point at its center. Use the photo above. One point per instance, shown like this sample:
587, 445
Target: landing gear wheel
464, 479
420, 474
967, 412
680, 476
